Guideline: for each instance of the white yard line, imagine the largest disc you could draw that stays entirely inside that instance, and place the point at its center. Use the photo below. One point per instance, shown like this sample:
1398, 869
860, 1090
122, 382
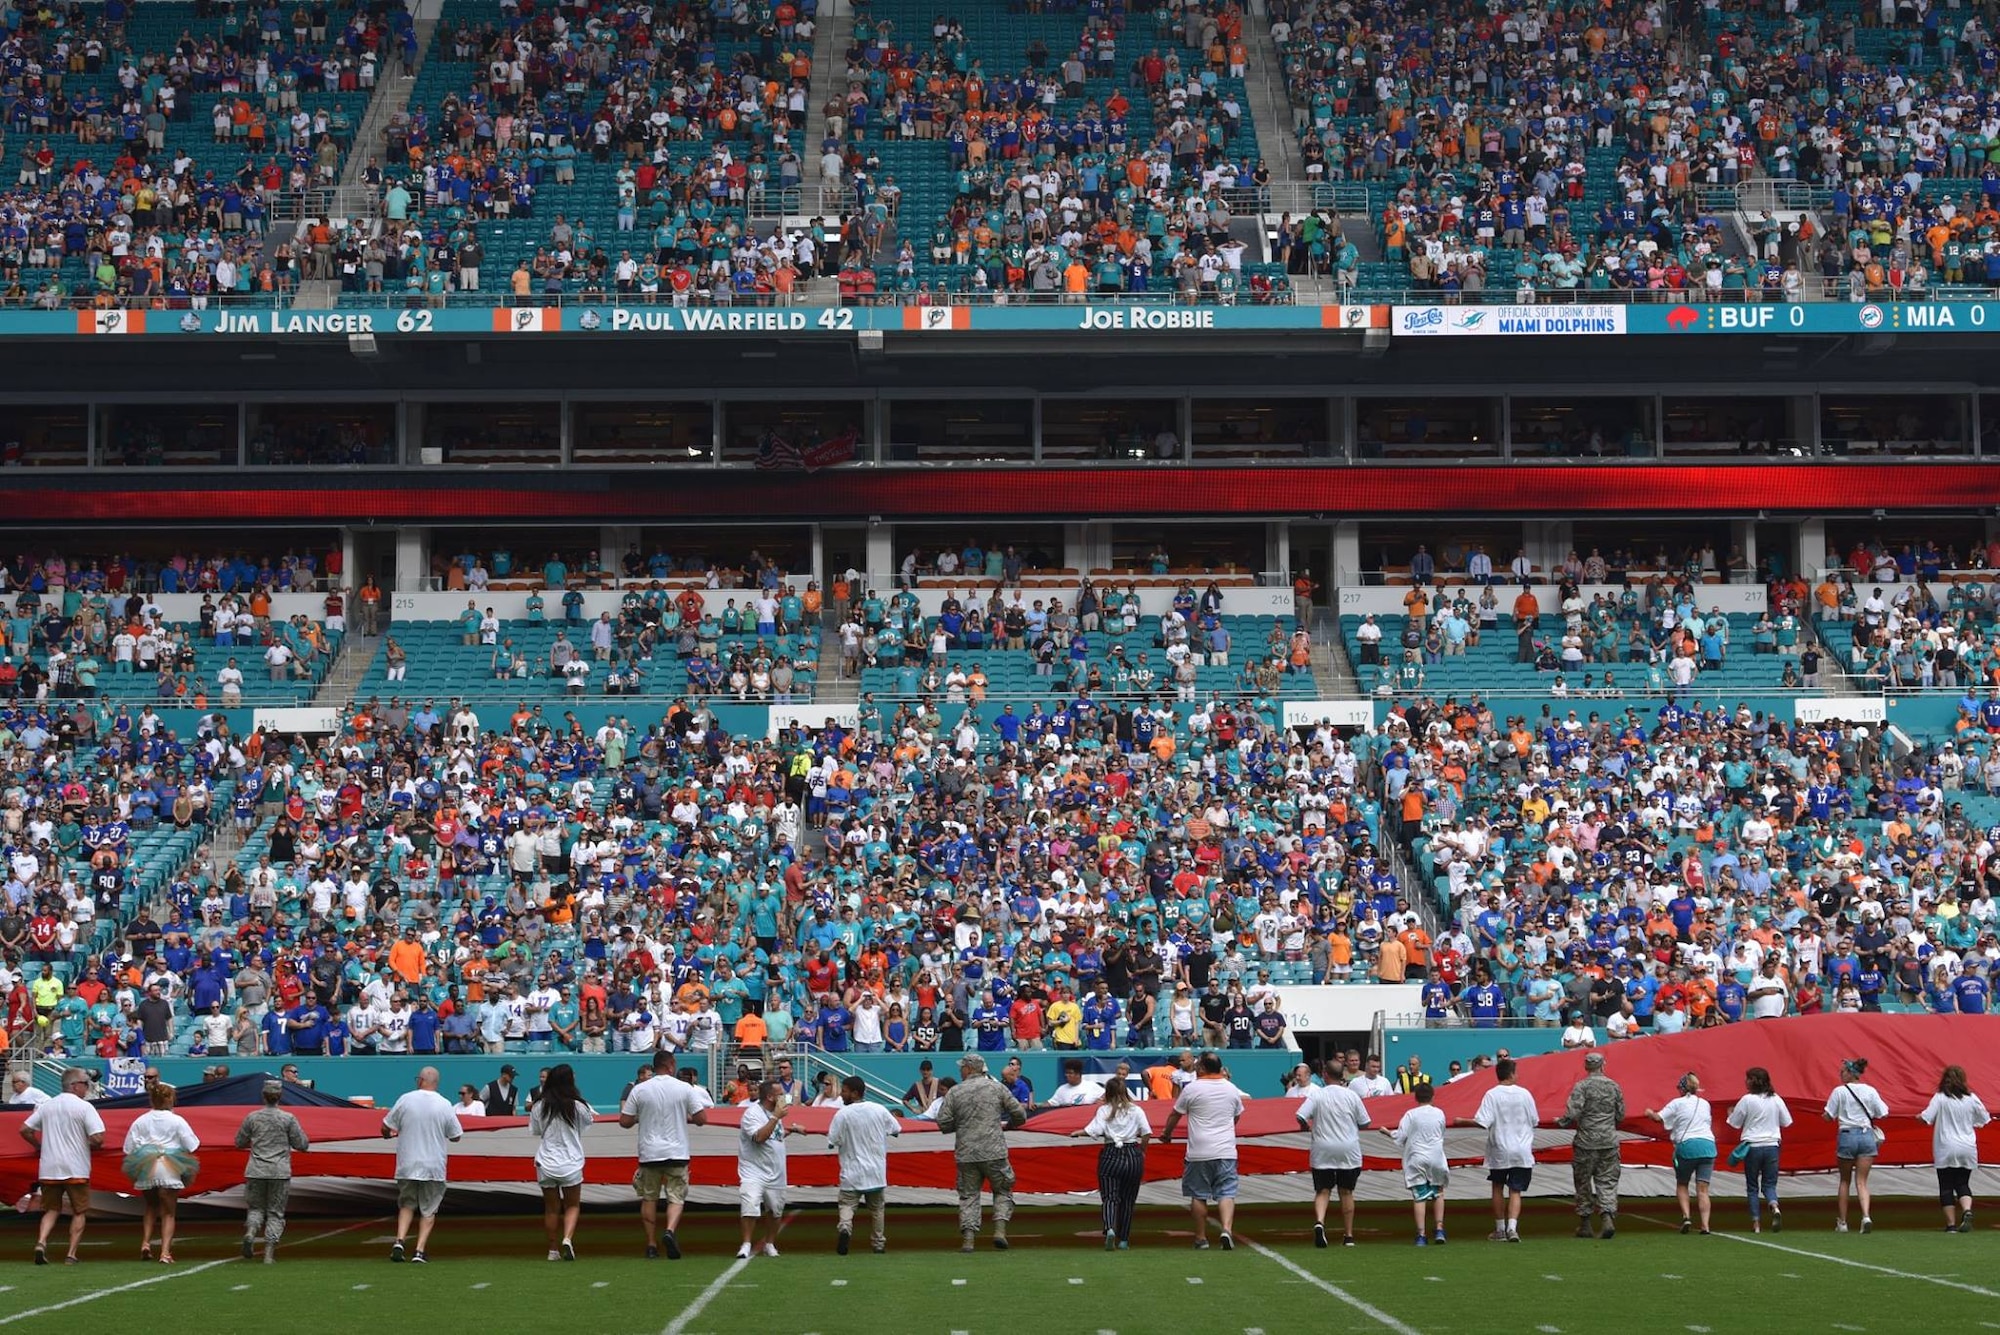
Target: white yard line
679, 1325
1366, 1309
176, 1273
1842, 1260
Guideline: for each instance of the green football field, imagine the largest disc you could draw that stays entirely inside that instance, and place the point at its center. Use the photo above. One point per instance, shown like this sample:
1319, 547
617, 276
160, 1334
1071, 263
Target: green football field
488, 1274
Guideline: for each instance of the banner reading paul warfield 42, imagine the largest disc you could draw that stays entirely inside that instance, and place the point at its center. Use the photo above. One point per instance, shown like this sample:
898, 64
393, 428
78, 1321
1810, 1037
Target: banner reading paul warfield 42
607, 321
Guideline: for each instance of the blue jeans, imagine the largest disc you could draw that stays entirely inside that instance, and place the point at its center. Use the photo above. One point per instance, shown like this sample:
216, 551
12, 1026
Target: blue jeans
1760, 1177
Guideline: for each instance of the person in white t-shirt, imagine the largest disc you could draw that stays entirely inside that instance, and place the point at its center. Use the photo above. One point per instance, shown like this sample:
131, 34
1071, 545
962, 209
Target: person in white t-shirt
1954, 1116
760, 1170
1426, 1171
559, 1119
1372, 1084
663, 1108
423, 1125
1762, 1117
1855, 1106
1690, 1123
860, 1133
1335, 1115
65, 1130
1211, 1106
1507, 1115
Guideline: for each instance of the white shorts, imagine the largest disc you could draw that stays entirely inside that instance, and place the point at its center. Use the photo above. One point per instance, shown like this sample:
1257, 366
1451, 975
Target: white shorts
761, 1198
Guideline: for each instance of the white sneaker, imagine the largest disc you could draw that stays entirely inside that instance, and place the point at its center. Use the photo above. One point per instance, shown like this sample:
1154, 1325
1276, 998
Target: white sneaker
770, 1249
554, 1255
1840, 1226
743, 1252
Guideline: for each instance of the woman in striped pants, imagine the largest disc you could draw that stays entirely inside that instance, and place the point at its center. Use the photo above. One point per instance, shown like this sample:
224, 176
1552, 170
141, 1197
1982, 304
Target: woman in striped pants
1121, 1164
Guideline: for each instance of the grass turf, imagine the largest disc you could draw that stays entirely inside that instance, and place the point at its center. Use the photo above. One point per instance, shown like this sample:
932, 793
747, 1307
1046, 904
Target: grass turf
487, 1273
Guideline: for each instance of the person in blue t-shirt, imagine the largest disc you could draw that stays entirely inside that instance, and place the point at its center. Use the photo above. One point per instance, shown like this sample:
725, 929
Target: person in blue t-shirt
307, 1022
424, 1023
1485, 1002
1970, 991
1730, 996
1100, 1019
277, 1034
835, 1022
990, 1019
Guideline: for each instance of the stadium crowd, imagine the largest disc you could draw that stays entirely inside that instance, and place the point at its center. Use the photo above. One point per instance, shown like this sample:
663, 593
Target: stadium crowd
117, 201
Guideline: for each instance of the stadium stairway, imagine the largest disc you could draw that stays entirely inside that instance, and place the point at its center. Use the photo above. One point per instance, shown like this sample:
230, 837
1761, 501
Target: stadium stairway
1333, 671
834, 686
1264, 97
392, 97
831, 38
350, 665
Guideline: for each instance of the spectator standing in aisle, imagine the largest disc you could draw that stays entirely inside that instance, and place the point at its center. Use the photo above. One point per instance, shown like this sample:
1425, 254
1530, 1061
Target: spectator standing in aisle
1211, 1105
271, 1135
1596, 1107
423, 1126
64, 1131
979, 1111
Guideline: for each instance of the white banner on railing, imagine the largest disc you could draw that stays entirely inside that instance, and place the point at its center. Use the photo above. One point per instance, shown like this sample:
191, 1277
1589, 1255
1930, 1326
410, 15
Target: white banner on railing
812, 716
1346, 1008
1339, 713
304, 719
1841, 709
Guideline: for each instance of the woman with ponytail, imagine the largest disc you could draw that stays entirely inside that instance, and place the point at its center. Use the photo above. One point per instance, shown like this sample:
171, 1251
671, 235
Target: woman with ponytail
1690, 1124
1855, 1105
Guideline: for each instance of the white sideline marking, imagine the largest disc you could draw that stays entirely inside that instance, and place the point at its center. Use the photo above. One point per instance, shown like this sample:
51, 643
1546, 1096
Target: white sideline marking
1553, 1279
1960, 1285
1075, 1280
679, 1325
177, 1272
1367, 1309
1550, 1330
359, 1287
481, 1285
238, 1288
1194, 1279
601, 1284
